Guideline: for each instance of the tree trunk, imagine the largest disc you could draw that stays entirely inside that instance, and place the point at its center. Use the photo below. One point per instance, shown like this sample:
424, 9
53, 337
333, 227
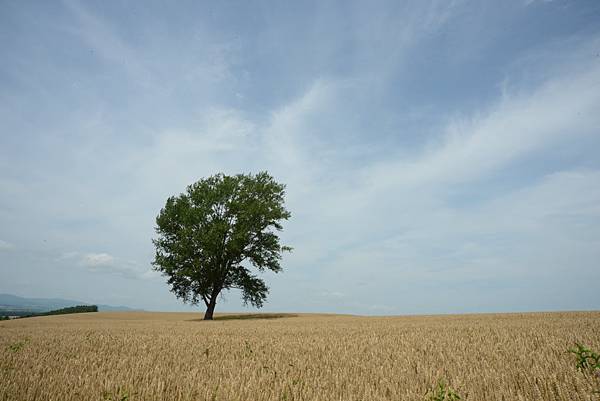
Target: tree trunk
210, 308
208, 315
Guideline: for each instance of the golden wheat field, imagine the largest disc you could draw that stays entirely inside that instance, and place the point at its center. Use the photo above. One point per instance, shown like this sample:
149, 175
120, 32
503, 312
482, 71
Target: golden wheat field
174, 356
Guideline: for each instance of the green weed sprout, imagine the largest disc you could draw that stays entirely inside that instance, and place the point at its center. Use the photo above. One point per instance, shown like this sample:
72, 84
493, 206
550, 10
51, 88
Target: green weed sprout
443, 393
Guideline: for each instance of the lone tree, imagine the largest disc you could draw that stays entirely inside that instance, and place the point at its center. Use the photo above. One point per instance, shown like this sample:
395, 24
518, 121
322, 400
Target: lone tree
208, 233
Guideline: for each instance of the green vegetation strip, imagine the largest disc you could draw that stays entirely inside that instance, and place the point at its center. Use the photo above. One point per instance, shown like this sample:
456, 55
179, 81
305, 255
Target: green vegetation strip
66, 311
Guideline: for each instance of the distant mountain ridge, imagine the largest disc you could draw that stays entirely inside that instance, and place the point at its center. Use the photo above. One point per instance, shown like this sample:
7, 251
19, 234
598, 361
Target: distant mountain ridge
9, 302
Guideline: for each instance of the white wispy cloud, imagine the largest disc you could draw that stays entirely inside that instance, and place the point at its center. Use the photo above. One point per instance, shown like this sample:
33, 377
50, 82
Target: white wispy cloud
102, 262
562, 109
97, 259
6, 246
102, 39
396, 218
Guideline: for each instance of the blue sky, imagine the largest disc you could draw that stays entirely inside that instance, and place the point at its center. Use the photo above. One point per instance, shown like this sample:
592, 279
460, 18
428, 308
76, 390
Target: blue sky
440, 157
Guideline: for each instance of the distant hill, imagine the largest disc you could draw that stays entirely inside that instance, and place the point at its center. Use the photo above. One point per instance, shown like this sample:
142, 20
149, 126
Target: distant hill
12, 304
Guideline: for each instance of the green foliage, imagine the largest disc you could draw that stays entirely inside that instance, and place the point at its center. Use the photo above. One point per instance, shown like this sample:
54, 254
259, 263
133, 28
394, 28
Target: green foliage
120, 395
207, 234
66, 311
12, 313
18, 346
72, 309
443, 393
587, 360
4, 318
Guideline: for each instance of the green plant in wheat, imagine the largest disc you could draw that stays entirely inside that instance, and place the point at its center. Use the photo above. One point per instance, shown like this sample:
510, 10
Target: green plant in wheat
18, 346
588, 362
442, 393
120, 395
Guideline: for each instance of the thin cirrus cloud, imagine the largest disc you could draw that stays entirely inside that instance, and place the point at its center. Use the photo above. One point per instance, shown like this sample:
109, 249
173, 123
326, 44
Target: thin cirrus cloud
6, 246
108, 264
97, 259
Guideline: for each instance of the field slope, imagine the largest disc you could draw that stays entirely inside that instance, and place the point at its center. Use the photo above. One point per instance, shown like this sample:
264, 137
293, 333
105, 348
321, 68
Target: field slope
173, 356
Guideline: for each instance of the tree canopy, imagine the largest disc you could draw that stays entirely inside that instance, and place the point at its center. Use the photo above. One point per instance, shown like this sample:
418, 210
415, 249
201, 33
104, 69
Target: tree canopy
209, 236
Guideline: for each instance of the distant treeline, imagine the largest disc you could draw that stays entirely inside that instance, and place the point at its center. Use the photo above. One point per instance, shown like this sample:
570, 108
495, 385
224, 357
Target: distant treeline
17, 313
65, 311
